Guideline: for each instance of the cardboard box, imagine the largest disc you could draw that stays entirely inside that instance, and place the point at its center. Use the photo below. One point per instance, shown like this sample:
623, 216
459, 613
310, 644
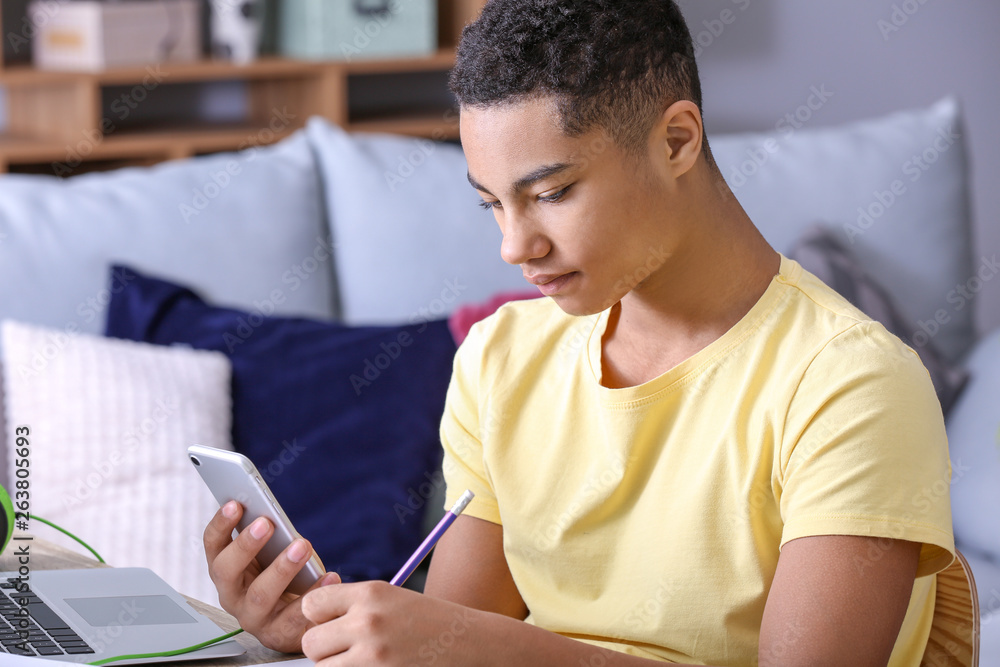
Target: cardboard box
90, 36
357, 29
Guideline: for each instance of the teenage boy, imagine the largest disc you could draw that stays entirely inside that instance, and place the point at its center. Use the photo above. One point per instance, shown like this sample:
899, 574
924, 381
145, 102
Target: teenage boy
692, 451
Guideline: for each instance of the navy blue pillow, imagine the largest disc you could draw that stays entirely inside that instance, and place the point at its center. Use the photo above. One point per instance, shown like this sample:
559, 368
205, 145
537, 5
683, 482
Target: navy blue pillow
341, 421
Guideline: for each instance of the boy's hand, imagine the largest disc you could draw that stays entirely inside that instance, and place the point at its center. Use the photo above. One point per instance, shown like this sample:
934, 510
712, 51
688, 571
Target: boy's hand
376, 623
257, 598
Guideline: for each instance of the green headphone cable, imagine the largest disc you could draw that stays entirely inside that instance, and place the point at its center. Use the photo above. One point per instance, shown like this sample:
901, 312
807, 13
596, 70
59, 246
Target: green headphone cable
66, 532
138, 656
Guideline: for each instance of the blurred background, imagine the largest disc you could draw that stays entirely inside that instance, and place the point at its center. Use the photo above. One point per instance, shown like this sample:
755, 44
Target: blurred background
248, 73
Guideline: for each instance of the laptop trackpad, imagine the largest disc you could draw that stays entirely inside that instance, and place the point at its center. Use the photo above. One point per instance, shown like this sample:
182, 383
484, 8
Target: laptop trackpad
129, 610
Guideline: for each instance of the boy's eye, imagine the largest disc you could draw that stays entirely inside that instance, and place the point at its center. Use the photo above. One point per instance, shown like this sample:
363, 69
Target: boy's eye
490, 205
556, 196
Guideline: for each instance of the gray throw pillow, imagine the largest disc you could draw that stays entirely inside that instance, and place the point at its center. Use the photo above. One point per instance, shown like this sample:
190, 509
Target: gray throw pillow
821, 253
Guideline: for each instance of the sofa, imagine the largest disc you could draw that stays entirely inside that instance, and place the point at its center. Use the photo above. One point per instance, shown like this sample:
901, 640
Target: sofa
309, 285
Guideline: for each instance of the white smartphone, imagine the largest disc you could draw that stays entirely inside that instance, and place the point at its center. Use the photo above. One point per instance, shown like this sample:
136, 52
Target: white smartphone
232, 476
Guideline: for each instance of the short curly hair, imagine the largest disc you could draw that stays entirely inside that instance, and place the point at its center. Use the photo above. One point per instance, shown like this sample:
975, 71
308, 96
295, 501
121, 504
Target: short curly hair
613, 64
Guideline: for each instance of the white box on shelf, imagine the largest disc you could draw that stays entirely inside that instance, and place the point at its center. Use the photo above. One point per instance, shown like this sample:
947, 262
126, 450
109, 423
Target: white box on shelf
90, 36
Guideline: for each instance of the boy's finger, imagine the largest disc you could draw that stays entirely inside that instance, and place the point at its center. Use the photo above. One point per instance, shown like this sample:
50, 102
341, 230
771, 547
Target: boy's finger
327, 603
219, 531
290, 623
228, 568
267, 588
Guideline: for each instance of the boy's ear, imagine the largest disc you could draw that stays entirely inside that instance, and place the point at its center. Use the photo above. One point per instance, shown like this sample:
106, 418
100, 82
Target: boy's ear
680, 130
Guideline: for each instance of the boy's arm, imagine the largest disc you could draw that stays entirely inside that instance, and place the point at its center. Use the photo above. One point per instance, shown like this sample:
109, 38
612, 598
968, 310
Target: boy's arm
835, 600
469, 568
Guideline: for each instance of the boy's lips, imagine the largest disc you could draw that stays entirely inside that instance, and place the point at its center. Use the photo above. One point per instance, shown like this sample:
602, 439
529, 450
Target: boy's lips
550, 283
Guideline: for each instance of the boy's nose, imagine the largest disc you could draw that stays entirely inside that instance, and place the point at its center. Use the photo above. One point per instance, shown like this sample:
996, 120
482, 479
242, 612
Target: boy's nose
522, 241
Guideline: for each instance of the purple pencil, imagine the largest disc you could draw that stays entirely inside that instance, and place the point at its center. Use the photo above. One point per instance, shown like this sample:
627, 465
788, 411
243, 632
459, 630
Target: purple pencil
425, 547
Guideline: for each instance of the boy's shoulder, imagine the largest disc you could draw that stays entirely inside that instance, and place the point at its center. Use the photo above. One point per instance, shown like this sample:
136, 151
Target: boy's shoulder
820, 339
816, 312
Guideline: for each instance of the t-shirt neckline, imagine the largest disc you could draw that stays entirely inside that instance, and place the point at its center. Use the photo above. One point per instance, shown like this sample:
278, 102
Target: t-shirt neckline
678, 376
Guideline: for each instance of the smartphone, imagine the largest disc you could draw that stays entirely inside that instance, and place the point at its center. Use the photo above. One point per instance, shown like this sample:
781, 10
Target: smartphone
232, 476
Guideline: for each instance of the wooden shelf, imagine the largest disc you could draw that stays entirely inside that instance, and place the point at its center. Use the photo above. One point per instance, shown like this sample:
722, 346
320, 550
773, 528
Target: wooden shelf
214, 70
438, 126
161, 144
59, 119
204, 70
441, 60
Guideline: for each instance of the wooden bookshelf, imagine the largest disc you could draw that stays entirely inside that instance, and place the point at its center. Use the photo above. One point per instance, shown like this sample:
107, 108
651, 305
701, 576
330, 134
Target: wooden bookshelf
71, 122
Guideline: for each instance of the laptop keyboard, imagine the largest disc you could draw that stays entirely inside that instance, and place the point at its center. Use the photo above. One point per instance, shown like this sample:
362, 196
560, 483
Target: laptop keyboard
48, 634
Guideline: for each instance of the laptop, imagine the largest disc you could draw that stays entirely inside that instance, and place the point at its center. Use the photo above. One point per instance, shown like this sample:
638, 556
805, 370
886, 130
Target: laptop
80, 616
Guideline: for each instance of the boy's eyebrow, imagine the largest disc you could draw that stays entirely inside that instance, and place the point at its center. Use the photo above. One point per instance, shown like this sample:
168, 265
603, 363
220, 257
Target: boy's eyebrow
528, 180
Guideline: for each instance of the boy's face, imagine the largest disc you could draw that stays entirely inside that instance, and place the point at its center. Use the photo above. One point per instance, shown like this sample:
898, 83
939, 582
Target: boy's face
585, 222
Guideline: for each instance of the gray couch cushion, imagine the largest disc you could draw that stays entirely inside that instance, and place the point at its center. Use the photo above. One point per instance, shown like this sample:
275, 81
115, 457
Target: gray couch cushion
245, 229
411, 242
974, 444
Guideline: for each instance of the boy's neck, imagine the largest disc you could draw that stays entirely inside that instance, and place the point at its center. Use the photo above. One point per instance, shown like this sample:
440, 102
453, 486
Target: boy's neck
713, 280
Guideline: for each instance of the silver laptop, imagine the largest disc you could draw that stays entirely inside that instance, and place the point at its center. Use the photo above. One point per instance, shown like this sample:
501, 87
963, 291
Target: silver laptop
85, 615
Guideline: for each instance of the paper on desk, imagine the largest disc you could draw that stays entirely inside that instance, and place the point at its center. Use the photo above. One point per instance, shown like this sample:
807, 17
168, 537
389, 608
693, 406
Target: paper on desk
301, 662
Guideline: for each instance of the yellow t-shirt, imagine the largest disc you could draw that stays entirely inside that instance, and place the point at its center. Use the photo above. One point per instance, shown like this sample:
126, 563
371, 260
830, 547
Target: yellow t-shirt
649, 519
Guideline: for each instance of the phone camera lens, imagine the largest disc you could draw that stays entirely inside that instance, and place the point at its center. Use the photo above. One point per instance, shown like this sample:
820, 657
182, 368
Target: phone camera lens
195, 461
